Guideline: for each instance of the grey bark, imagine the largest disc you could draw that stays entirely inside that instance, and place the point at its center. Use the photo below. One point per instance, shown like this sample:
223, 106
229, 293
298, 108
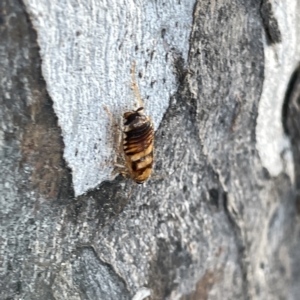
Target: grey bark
223, 226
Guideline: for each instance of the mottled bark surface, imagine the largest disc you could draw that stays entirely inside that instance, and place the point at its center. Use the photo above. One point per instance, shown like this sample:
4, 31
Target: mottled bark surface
220, 227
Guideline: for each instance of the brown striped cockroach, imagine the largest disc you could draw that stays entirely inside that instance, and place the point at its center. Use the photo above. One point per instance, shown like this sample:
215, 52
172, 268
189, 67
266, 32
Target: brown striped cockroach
138, 139
137, 142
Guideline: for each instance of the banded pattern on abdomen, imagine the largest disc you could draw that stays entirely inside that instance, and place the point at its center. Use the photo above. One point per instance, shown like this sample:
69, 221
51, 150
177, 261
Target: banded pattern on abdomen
138, 145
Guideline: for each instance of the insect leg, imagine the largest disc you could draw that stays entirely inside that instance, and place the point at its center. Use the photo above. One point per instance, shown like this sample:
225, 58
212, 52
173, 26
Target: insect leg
112, 119
117, 145
135, 86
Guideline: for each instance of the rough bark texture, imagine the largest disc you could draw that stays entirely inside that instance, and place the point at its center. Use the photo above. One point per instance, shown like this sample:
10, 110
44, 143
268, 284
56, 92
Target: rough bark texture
220, 227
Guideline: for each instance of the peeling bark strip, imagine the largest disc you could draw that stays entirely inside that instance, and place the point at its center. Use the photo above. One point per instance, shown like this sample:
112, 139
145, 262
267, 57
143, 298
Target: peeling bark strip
87, 52
223, 226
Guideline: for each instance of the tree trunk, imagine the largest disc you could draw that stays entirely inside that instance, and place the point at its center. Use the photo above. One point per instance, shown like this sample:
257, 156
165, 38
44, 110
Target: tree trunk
219, 217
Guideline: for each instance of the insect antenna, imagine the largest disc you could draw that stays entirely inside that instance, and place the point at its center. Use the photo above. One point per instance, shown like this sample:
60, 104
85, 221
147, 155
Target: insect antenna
134, 85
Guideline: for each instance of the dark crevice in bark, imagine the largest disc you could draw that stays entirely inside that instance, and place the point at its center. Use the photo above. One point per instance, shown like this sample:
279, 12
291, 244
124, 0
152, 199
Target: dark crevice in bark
270, 23
291, 124
289, 94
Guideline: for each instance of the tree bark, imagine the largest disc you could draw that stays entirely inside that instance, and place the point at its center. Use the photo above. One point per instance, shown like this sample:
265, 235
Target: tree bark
219, 219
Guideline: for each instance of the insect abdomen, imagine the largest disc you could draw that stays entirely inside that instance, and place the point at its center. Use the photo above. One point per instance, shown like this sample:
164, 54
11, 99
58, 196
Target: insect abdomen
138, 145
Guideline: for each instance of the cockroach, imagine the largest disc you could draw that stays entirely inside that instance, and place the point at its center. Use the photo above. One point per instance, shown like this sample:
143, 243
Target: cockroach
138, 139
